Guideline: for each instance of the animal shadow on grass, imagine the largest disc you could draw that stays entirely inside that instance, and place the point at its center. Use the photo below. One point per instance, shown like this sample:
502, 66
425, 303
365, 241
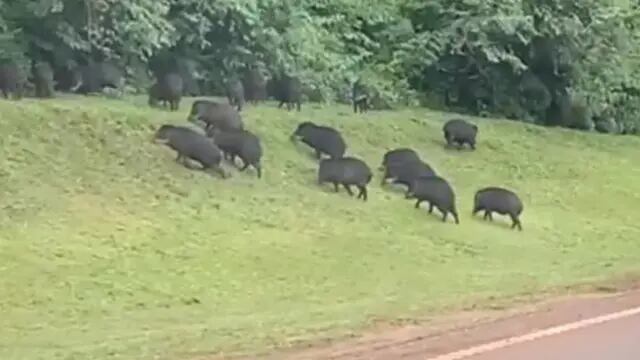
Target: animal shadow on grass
436, 215
192, 165
237, 164
499, 221
392, 188
328, 188
450, 148
456, 148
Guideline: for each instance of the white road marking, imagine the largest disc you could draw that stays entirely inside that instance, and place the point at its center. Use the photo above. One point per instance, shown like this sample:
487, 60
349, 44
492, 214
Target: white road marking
481, 349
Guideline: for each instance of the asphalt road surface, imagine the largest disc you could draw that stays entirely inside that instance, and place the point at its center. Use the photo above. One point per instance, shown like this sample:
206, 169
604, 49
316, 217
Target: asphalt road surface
586, 327
614, 340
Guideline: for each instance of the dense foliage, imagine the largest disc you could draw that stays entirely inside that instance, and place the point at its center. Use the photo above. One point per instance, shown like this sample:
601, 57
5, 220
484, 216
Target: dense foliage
554, 62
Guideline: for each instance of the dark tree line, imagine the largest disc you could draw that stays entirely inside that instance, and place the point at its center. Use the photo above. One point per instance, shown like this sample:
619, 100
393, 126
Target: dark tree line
563, 63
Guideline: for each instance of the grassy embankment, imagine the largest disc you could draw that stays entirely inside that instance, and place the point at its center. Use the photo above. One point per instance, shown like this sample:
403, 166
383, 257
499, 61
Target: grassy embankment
110, 250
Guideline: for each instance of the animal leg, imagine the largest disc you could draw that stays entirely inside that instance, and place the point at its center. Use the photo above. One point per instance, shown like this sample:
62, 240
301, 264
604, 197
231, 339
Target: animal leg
258, 168
407, 194
516, 223
218, 169
363, 193
449, 139
244, 166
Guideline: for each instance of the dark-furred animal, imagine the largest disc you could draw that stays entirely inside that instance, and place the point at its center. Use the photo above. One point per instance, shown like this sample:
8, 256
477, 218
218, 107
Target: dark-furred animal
240, 143
214, 115
287, 90
323, 139
255, 85
168, 89
11, 80
437, 192
501, 201
404, 173
235, 93
398, 155
346, 171
96, 76
359, 97
43, 79
191, 145
67, 77
460, 132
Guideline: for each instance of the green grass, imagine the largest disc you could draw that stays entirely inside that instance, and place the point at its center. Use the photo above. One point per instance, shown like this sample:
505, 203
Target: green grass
110, 250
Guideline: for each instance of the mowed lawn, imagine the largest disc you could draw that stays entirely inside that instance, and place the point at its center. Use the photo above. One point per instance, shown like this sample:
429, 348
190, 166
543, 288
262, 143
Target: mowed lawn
111, 250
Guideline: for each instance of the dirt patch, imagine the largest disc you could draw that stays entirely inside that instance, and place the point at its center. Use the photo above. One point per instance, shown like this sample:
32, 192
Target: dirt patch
449, 333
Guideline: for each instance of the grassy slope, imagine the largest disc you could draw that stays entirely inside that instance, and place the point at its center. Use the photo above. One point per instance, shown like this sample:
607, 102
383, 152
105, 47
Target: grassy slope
110, 250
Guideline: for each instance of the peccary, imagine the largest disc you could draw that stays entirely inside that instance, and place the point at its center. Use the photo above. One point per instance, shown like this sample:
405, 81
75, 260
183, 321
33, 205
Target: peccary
241, 143
167, 89
255, 85
502, 201
460, 132
323, 139
188, 70
170, 61
235, 93
68, 76
359, 97
404, 173
437, 192
286, 90
220, 116
191, 145
346, 171
97, 76
43, 79
11, 80
399, 155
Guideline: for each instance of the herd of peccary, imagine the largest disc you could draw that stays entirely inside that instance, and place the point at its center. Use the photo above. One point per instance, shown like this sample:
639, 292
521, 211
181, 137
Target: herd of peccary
92, 77
171, 83
253, 87
224, 136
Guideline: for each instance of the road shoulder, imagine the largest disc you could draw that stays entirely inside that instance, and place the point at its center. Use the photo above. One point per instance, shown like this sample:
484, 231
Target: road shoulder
461, 330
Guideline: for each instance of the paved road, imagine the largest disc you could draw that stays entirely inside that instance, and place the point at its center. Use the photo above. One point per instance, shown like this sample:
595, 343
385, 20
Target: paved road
615, 340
